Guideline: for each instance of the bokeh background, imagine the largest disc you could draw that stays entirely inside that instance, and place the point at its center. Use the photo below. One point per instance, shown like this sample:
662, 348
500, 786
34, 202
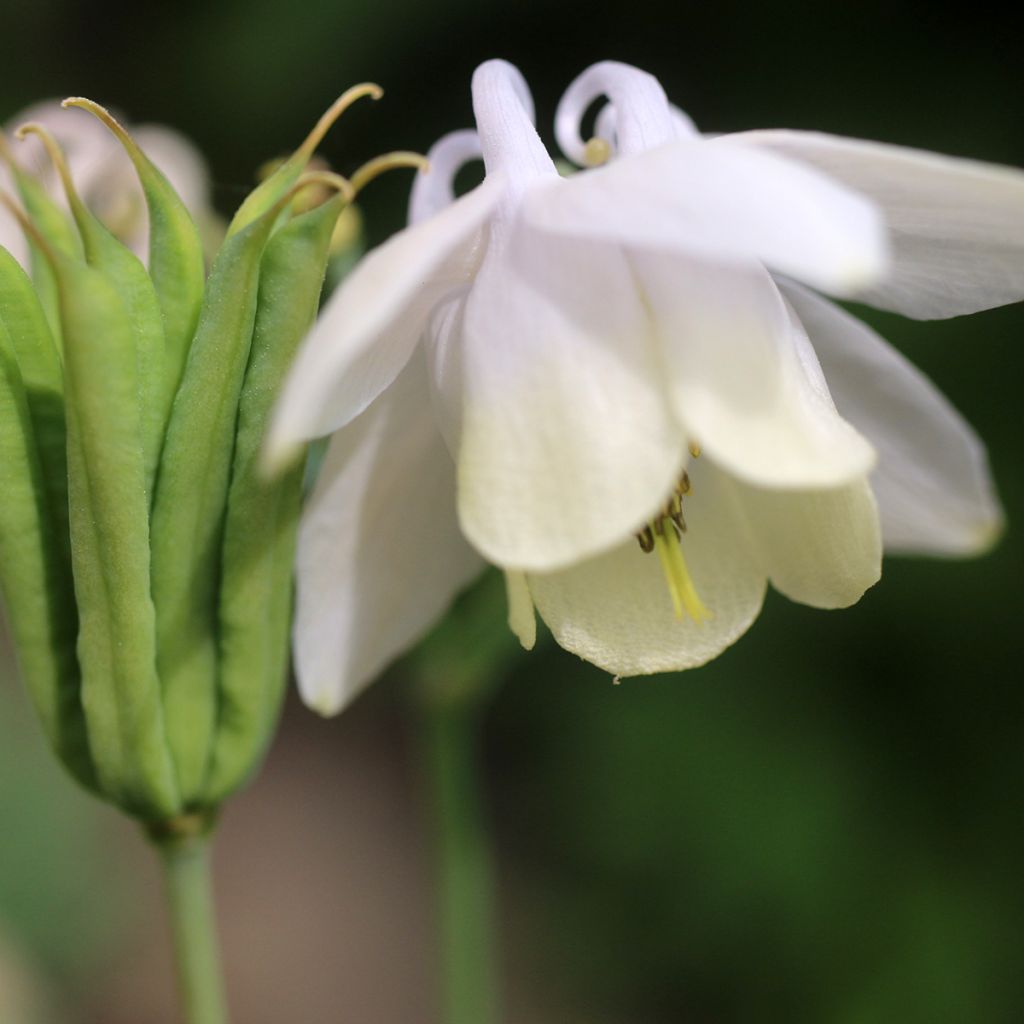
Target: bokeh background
824, 825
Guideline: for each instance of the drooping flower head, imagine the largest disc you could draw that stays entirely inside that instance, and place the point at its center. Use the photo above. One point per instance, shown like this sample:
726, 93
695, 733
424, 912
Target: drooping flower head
619, 366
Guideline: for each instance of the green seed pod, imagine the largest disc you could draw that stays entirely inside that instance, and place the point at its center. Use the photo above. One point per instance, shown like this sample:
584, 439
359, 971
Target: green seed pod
110, 546
259, 534
146, 561
124, 270
271, 191
188, 512
35, 569
176, 264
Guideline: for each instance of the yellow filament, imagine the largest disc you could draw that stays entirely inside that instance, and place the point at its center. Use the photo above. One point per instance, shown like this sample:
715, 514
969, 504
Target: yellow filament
685, 600
386, 162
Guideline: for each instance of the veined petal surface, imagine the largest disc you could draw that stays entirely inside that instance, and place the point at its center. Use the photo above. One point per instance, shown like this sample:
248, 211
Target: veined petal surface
380, 555
933, 483
371, 324
616, 612
723, 201
567, 441
743, 380
957, 226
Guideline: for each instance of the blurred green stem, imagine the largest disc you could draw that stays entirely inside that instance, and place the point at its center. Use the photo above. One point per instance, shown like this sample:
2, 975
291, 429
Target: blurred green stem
465, 873
186, 864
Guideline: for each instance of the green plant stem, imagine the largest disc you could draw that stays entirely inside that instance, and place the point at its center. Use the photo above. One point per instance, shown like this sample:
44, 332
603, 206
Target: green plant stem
464, 864
186, 864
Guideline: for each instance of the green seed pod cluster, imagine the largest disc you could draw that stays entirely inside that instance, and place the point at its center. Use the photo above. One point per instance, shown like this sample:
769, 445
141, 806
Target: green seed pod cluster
145, 561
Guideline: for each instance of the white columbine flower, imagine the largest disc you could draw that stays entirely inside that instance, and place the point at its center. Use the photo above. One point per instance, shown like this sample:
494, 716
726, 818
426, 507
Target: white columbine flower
104, 174
528, 374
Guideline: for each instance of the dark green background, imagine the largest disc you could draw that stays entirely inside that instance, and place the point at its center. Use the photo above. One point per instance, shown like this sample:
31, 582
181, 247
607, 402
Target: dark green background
825, 824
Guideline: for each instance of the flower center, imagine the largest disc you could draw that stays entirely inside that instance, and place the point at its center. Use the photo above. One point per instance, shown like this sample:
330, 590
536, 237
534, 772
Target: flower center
664, 534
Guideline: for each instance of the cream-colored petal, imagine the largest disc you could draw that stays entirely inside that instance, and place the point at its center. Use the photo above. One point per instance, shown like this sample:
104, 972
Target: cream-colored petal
722, 201
933, 483
380, 554
369, 327
616, 611
743, 380
822, 548
957, 226
567, 439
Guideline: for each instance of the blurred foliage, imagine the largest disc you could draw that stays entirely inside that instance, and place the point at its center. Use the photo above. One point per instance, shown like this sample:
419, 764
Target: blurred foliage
824, 824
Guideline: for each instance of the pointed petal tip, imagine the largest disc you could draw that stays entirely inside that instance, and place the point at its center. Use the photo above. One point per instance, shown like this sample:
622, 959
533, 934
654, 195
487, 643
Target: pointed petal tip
279, 454
985, 537
322, 699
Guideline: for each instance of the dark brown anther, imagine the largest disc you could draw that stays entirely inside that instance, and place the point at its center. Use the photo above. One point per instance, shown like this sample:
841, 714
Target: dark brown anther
646, 540
683, 487
678, 520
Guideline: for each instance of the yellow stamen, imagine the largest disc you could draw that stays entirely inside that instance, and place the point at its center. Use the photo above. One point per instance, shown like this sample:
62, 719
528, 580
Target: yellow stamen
695, 449
685, 600
597, 151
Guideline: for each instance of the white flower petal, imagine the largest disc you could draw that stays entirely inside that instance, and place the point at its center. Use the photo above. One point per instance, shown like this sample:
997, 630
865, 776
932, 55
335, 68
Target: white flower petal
933, 483
567, 443
616, 611
380, 554
723, 201
743, 380
371, 324
442, 344
957, 226
503, 109
522, 619
434, 188
822, 548
606, 120
636, 118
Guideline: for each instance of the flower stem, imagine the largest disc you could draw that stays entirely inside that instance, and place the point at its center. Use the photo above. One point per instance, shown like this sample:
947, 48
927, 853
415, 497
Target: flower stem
464, 863
186, 864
